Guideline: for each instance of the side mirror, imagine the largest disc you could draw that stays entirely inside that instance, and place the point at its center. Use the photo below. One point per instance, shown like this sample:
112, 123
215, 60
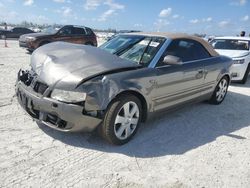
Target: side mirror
172, 60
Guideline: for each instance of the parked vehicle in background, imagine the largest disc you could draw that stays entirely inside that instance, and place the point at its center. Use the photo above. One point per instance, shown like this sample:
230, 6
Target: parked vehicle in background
123, 82
16, 32
238, 49
68, 33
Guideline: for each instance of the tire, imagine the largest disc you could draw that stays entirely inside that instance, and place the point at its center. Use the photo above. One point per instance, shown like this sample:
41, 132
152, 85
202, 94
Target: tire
220, 91
122, 119
244, 80
89, 44
30, 51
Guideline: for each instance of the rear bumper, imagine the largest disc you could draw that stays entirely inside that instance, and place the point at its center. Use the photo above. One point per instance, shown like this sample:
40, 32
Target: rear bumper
57, 115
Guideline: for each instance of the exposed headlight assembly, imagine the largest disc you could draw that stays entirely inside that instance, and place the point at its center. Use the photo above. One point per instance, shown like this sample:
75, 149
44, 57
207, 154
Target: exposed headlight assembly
68, 96
240, 61
30, 38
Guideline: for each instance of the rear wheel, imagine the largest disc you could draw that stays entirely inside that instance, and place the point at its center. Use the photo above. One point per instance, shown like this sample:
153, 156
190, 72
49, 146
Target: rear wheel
220, 91
122, 119
244, 80
89, 44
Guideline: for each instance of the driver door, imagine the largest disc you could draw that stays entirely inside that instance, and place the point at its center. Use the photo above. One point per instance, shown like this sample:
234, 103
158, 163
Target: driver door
180, 83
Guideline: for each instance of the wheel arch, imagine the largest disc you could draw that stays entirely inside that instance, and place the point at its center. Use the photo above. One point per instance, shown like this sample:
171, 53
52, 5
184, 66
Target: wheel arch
140, 97
43, 42
89, 43
224, 72
228, 77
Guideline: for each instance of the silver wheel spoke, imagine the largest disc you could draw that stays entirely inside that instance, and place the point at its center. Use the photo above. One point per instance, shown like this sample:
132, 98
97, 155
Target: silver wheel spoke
134, 110
217, 93
121, 130
120, 119
224, 83
126, 120
126, 109
220, 85
128, 131
219, 98
134, 121
222, 90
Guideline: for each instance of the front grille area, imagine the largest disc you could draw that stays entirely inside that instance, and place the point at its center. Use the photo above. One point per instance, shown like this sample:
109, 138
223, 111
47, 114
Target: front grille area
56, 121
40, 87
31, 80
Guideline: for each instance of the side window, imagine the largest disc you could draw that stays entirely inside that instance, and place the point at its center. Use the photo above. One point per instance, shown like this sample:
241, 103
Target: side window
27, 30
66, 31
200, 52
186, 50
22, 30
89, 31
16, 30
79, 31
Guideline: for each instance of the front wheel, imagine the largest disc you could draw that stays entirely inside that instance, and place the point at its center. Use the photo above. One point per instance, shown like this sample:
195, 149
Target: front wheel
122, 119
220, 91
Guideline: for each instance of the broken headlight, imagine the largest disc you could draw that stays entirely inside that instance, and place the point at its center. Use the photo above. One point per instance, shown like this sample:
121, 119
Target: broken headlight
68, 96
30, 39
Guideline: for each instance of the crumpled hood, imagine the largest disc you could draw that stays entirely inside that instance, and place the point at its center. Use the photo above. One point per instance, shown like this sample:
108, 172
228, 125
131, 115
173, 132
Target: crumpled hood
68, 64
233, 53
23, 37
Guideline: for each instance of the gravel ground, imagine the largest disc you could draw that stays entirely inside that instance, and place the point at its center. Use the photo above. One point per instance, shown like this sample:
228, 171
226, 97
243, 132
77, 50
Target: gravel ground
197, 146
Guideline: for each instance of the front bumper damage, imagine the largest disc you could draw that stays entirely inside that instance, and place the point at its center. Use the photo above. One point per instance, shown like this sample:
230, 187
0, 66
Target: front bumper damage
26, 44
55, 114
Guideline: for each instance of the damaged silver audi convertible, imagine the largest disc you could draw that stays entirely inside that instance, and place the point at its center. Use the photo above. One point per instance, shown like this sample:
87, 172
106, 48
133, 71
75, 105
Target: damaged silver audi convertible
120, 84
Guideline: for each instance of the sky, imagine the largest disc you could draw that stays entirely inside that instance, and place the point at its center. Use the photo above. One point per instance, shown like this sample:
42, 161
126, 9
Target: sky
214, 17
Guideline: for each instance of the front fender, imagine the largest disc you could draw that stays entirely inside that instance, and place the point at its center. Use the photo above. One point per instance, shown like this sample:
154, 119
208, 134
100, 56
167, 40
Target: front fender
101, 91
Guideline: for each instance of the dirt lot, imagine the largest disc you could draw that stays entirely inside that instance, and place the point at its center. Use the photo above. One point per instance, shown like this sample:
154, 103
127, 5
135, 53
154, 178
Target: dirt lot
198, 146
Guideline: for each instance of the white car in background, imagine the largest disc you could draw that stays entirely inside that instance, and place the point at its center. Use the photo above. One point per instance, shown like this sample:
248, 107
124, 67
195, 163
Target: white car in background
238, 49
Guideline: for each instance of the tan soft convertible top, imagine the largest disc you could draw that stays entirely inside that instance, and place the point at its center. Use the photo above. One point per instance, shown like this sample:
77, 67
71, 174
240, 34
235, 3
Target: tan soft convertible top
180, 36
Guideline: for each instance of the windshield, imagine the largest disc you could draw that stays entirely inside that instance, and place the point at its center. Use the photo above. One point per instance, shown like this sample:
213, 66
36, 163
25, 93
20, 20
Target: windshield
227, 44
50, 30
139, 49
119, 43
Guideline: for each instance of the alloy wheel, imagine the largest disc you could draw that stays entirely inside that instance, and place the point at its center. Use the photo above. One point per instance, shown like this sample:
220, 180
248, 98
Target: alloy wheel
126, 120
222, 90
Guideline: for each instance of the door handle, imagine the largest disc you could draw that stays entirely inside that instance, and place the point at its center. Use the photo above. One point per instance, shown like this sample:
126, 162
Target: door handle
200, 74
152, 81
